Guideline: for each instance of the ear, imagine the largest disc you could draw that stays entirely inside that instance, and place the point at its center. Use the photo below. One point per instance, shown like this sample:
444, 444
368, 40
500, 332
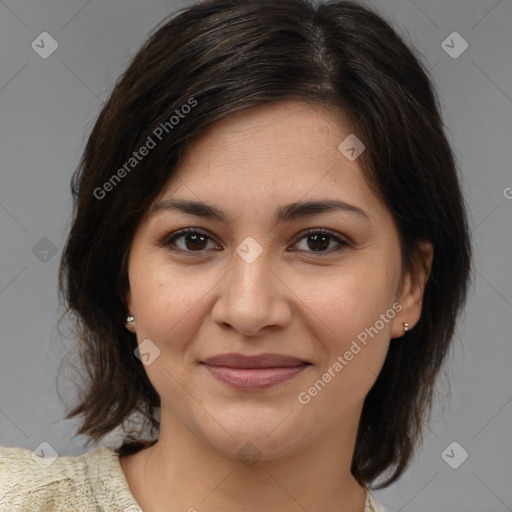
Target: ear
130, 326
410, 295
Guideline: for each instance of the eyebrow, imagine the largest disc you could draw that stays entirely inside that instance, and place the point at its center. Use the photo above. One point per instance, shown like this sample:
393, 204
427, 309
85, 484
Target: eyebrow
285, 213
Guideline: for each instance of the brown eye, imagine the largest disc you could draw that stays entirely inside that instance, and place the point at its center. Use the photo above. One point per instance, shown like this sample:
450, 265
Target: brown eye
192, 240
196, 241
319, 241
187, 240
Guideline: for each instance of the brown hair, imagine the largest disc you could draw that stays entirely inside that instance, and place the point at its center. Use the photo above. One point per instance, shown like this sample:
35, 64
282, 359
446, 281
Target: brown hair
228, 55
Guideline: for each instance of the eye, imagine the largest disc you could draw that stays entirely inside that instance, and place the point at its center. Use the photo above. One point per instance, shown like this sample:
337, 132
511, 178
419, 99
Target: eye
318, 240
193, 240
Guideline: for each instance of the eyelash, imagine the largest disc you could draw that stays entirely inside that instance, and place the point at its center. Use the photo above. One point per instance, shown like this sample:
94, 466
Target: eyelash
169, 240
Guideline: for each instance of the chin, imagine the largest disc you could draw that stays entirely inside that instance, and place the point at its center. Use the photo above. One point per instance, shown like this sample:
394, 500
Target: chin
265, 437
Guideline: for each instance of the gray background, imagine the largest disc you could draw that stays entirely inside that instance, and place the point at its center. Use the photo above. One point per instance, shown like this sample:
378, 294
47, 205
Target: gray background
47, 109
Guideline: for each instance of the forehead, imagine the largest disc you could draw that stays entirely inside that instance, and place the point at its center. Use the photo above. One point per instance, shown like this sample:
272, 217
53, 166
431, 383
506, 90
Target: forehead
292, 129
254, 161
285, 144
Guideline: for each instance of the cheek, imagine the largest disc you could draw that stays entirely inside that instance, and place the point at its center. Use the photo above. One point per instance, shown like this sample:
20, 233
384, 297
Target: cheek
348, 301
354, 314
168, 300
351, 316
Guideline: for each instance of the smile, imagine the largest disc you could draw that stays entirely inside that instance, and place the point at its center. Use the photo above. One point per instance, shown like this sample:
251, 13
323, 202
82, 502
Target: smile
254, 372
254, 378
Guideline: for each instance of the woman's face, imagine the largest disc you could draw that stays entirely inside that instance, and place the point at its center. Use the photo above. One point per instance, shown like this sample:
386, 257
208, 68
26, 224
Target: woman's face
255, 283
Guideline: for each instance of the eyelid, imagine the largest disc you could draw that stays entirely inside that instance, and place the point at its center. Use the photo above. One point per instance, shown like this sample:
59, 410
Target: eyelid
169, 238
341, 239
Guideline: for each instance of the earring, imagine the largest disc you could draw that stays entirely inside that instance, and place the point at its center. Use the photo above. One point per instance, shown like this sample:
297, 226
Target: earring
130, 319
406, 326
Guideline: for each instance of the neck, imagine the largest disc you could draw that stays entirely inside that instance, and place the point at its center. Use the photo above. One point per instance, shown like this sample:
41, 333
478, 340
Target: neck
182, 472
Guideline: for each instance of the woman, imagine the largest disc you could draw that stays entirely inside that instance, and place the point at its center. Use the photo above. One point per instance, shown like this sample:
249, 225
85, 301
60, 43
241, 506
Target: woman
268, 256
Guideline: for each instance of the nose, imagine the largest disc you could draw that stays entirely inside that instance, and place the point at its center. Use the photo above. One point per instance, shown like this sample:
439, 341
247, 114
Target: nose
253, 297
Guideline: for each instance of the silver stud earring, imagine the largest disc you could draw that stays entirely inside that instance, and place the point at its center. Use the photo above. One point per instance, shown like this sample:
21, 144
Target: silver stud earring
130, 319
406, 326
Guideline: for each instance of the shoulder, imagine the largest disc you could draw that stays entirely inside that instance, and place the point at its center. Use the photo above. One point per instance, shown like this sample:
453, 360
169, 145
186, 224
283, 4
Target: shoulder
30, 482
85, 482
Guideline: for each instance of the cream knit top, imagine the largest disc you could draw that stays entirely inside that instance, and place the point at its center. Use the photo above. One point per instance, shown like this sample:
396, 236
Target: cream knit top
92, 482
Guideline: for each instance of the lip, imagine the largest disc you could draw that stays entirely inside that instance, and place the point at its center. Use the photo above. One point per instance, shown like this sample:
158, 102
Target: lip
257, 361
254, 372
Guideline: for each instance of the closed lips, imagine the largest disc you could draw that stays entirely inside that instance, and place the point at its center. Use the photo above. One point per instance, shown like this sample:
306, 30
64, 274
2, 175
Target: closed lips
253, 362
254, 373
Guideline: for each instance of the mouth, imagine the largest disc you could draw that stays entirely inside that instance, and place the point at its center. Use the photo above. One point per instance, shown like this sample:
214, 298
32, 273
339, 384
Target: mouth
254, 372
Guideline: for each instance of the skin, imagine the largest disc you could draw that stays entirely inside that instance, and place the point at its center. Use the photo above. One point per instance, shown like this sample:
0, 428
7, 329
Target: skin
304, 303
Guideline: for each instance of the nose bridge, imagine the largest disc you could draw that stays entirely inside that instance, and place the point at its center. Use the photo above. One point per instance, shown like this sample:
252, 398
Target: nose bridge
250, 298
251, 281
